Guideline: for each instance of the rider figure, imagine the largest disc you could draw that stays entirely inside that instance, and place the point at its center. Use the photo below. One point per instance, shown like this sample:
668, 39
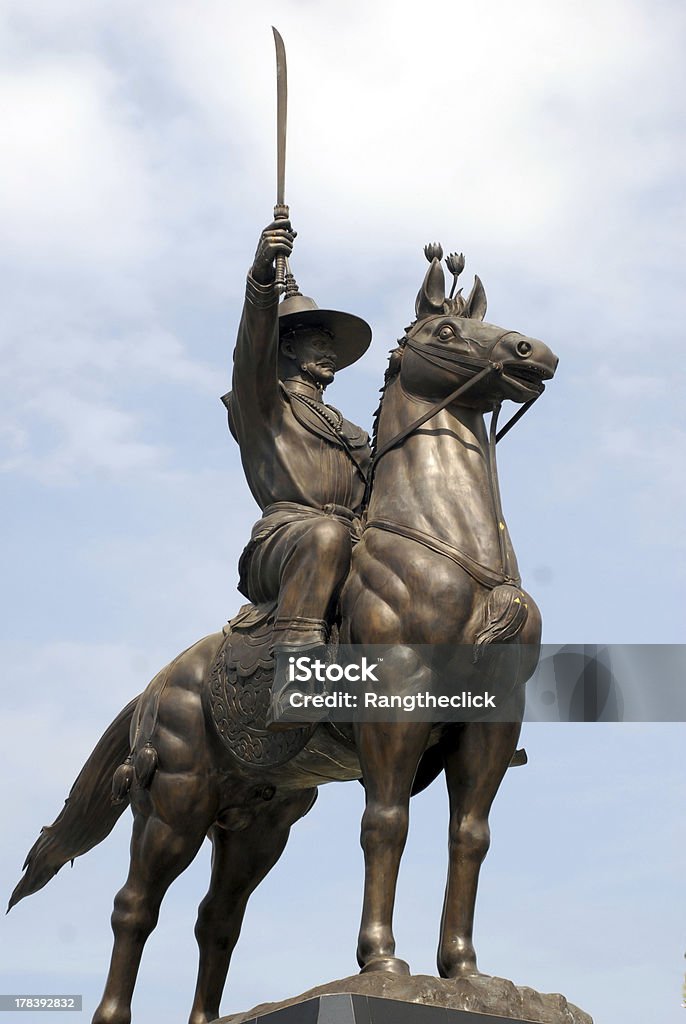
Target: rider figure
305, 464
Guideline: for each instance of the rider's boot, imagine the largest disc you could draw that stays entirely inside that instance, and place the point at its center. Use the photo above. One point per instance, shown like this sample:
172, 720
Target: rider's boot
291, 705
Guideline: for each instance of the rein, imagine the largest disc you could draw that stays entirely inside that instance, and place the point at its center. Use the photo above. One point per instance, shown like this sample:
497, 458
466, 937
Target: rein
447, 360
403, 434
516, 418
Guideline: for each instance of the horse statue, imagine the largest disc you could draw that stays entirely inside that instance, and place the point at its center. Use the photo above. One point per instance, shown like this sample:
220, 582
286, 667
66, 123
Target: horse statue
434, 569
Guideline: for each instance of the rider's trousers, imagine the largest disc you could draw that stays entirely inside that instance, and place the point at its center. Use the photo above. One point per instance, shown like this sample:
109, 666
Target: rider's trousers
299, 557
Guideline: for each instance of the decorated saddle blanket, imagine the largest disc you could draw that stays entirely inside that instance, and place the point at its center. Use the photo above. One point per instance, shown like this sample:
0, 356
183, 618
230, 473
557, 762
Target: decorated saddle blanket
240, 691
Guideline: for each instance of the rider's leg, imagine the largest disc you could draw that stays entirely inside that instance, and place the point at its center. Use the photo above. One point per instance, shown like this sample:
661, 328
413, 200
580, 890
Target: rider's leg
305, 564
312, 571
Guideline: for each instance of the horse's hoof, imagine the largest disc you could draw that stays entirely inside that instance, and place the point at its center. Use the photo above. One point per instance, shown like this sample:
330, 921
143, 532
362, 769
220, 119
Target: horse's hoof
387, 964
459, 971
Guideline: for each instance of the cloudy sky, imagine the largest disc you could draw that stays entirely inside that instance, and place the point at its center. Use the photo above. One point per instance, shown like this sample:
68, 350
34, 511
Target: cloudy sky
546, 141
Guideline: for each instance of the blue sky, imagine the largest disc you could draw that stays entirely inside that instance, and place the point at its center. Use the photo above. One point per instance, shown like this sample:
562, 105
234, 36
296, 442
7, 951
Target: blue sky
545, 140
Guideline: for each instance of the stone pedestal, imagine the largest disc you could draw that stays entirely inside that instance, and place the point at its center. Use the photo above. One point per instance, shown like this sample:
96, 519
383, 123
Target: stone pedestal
389, 999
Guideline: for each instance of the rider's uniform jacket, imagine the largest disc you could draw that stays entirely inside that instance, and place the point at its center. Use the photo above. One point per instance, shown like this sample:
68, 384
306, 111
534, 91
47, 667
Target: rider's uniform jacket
295, 450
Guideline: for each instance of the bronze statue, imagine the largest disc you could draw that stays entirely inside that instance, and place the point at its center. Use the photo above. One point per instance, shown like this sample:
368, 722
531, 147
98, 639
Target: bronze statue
305, 464
433, 570
435, 566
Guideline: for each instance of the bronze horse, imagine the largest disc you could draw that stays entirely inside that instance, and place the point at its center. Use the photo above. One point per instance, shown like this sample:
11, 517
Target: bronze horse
435, 566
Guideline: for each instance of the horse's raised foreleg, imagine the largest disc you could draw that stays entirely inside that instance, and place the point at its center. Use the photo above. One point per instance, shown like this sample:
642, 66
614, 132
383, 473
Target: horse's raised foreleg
159, 853
240, 860
389, 756
474, 769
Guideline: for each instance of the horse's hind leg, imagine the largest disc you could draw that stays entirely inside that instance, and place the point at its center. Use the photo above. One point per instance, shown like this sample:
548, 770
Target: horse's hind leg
240, 860
159, 853
474, 769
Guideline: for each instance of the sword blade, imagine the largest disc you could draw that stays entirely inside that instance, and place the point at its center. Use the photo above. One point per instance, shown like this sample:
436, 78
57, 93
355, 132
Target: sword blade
281, 111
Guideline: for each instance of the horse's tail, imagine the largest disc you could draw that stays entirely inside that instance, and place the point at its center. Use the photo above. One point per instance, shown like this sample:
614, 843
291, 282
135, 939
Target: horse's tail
505, 614
89, 813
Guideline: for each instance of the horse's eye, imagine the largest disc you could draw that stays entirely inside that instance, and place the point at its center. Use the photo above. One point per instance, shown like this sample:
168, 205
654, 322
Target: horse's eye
446, 333
524, 348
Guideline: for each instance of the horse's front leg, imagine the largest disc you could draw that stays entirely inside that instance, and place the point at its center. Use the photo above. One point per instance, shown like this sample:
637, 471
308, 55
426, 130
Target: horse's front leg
389, 756
474, 769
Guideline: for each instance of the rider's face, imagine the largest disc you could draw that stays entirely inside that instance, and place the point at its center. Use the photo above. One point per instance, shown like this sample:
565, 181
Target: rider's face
314, 352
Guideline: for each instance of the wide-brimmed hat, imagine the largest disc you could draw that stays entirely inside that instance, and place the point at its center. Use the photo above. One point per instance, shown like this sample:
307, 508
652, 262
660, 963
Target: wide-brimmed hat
351, 334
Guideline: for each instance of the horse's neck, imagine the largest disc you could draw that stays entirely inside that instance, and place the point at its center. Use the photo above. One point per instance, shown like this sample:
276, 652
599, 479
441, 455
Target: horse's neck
441, 479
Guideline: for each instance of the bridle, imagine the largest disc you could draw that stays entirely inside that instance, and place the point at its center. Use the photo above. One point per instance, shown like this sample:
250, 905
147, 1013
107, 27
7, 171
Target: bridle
445, 359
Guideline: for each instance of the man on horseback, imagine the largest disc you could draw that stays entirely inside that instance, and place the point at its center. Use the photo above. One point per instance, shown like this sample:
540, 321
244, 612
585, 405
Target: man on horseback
305, 464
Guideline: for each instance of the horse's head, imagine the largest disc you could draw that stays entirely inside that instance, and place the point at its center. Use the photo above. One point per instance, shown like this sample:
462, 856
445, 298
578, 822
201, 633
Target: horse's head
449, 343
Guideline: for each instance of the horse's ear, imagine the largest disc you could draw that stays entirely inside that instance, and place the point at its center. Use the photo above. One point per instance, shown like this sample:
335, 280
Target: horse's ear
431, 295
475, 306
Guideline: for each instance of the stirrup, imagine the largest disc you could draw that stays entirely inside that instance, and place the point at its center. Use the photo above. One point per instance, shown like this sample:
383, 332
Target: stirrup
283, 717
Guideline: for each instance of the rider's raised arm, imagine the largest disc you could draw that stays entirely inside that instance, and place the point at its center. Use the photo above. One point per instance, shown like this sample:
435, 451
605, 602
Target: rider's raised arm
255, 359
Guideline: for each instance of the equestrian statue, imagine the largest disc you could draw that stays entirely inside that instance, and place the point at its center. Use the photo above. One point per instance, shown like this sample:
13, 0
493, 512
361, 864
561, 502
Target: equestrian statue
400, 545
432, 569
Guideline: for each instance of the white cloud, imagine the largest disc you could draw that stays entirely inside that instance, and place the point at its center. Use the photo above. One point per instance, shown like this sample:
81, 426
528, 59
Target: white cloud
512, 125
89, 436
73, 180
533, 137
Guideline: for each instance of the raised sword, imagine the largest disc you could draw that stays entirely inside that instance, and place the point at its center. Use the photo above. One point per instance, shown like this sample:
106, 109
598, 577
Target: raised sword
281, 211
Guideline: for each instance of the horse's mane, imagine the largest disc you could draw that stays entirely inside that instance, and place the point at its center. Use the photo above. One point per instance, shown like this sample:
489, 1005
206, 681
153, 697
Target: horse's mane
392, 370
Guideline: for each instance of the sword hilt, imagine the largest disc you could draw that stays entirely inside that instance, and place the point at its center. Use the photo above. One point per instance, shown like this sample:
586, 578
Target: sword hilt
281, 212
